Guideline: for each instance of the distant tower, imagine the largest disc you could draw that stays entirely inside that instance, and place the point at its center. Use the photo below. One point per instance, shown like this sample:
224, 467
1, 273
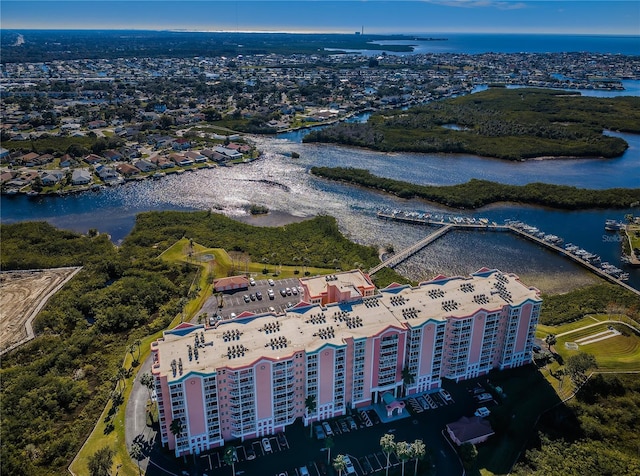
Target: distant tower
362, 32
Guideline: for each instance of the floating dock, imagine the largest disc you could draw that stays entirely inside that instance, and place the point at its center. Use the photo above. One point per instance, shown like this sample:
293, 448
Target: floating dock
451, 223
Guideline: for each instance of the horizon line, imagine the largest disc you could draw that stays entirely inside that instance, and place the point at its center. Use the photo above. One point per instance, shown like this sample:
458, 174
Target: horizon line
325, 32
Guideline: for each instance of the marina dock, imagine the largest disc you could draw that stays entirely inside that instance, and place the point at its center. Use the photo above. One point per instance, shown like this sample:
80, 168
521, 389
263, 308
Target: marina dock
451, 223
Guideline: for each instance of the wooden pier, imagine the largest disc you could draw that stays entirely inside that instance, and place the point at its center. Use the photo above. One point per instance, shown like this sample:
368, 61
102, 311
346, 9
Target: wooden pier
399, 257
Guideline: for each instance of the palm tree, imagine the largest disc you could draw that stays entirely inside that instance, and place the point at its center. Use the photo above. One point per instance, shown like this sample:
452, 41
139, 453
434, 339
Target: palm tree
403, 450
146, 379
407, 378
340, 464
418, 450
136, 453
310, 405
229, 458
387, 442
121, 376
138, 344
176, 427
328, 444
550, 340
132, 349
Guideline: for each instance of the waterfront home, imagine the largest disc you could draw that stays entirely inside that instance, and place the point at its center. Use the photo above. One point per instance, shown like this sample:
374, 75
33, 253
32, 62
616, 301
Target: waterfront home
127, 170
4, 153
197, 157
144, 165
228, 153
180, 160
80, 177
51, 177
161, 162
7, 176
107, 174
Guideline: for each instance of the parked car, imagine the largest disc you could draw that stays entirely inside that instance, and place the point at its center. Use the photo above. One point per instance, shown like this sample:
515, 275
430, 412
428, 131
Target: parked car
352, 423
484, 397
232, 315
482, 412
251, 453
294, 290
327, 428
303, 471
349, 468
446, 395
282, 440
288, 291
271, 282
283, 292
344, 427
266, 444
252, 297
246, 298
272, 309
320, 434
259, 295
252, 281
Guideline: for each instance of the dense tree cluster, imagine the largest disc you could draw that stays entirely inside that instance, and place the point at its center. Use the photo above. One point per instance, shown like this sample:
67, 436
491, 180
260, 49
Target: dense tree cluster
477, 193
595, 433
512, 124
574, 305
316, 242
55, 386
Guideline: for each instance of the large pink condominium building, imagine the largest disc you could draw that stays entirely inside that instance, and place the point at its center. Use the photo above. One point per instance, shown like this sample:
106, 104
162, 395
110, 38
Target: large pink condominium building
255, 375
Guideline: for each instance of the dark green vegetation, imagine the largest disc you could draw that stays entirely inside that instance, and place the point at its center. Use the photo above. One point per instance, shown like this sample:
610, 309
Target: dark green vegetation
75, 146
55, 386
594, 433
316, 242
477, 193
601, 298
512, 124
47, 45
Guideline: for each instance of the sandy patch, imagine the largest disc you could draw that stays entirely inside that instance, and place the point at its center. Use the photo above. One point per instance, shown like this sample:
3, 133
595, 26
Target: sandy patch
22, 295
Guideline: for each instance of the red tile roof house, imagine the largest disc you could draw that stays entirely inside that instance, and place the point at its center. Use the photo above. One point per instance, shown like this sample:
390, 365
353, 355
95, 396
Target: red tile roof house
472, 430
127, 170
181, 160
93, 159
161, 162
197, 157
232, 283
181, 144
30, 159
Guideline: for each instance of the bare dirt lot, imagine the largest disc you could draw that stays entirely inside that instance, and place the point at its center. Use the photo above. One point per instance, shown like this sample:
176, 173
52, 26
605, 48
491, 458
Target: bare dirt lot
22, 295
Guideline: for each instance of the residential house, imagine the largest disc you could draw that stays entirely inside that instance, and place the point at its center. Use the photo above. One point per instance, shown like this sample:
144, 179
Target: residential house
112, 155
180, 160
30, 159
66, 160
145, 165
161, 162
228, 153
197, 157
107, 174
97, 124
127, 170
472, 430
51, 177
80, 177
93, 159
181, 144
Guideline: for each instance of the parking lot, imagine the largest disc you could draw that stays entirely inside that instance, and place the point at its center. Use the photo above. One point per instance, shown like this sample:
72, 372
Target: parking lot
297, 453
257, 298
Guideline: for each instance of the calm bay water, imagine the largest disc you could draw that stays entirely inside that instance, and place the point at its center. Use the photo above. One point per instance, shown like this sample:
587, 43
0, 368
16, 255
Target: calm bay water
284, 185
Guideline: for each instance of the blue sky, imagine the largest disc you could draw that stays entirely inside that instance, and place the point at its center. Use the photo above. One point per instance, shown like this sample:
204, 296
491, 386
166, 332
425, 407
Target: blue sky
343, 16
